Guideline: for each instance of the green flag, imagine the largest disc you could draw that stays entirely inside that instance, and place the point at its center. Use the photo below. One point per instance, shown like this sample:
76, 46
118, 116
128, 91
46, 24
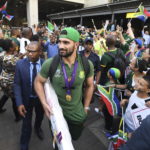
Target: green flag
50, 26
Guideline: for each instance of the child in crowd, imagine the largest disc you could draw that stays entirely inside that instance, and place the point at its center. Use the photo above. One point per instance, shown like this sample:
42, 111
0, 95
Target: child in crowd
113, 75
110, 123
138, 99
138, 67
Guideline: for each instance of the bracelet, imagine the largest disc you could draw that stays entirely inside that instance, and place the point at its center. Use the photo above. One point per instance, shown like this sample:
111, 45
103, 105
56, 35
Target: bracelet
87, 108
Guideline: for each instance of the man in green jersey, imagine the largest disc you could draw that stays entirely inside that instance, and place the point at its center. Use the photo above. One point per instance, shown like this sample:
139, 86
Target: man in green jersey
70, 70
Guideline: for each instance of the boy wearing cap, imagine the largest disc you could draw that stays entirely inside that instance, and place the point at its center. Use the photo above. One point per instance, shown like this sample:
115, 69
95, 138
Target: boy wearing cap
70, 98
93, 57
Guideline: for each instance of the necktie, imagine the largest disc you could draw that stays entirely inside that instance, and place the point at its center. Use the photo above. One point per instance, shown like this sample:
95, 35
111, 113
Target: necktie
34, 73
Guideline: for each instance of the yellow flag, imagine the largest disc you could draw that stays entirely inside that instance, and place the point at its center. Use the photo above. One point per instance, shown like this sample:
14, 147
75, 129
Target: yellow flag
133, 15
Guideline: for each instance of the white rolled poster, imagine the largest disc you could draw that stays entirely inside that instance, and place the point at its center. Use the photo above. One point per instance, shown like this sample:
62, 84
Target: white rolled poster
58, 123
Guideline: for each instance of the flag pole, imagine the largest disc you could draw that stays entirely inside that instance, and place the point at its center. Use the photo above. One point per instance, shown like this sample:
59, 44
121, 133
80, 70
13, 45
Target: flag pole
94, 25
2, 17
123, 121
1, 21
136, 11
122, 115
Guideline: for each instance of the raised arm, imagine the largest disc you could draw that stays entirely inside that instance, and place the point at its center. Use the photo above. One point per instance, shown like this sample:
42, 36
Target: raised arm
130, 31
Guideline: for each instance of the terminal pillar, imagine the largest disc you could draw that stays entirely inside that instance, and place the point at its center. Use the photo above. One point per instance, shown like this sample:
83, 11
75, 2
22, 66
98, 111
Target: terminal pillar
113, 17
32, 12
81, 20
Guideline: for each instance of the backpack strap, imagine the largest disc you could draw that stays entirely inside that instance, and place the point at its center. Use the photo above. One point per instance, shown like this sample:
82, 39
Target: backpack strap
118, 54
55, 63
111, 54
121, 54
86, 65
53, 66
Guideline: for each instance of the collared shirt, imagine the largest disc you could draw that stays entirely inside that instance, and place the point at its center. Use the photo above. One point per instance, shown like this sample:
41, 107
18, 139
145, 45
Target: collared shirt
52, 49
38, 68
93, 57
112, 27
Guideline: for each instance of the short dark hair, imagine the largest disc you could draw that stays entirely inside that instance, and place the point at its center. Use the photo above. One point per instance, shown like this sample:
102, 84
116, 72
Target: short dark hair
110, 40
35, 37
36, 43
6, 44
141, 65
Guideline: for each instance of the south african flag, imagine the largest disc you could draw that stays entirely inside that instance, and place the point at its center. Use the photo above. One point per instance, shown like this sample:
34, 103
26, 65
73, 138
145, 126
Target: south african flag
110, 98
119, 138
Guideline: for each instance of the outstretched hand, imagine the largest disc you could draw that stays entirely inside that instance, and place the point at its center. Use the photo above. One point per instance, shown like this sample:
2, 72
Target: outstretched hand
123, 102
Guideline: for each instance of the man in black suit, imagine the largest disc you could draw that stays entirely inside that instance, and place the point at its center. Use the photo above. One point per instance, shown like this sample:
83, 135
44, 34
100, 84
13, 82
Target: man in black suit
26, 98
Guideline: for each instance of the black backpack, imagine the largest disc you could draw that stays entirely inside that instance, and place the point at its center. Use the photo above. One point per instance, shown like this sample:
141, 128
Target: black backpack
119, 60
56, 61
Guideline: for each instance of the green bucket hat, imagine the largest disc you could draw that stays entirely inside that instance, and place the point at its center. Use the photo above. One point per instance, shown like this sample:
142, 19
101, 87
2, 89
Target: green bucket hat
70, 33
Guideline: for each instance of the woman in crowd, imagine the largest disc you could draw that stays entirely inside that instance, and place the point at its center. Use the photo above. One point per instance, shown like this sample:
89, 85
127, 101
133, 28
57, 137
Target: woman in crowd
8, 62
138, 67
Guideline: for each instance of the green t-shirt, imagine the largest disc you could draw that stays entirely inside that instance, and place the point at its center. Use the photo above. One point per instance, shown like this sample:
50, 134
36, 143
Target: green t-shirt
106, 60
15, 40
73, 110
106, 63
126, 46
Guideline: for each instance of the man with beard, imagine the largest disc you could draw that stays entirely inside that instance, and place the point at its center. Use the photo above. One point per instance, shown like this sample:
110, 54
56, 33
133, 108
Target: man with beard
93, 57
70, 98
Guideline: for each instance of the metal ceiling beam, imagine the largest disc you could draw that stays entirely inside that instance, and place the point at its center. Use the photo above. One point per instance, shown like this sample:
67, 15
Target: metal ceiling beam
116, 8
62, 2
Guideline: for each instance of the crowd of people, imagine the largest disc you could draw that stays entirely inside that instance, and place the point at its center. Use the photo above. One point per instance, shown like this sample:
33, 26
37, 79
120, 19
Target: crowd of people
75, 60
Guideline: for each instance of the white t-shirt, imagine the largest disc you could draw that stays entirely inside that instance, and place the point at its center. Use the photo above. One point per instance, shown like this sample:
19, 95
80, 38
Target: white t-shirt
146, 38
23, 43
81, 48
134, 101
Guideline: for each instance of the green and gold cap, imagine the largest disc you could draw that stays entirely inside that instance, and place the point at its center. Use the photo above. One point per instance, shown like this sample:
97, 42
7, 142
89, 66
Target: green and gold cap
70, 33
